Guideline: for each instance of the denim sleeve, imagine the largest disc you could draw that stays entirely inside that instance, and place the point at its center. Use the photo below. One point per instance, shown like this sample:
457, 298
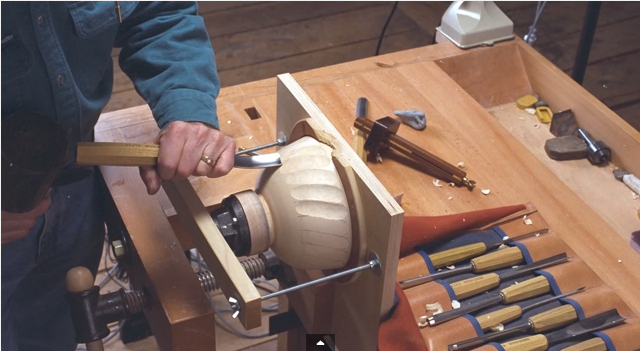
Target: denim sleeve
167, 54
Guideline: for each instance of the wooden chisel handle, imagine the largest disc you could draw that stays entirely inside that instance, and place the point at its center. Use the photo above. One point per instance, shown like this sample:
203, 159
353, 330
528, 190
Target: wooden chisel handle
117, 154
530, 343
457, 254
498, 259
476, 285
553, 318
501, 316
525, 290
595, 344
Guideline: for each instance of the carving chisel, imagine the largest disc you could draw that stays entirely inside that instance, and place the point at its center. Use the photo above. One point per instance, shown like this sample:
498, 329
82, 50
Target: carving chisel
510, 313
542, 342
541, 322
514, 293
479, 284
480, 264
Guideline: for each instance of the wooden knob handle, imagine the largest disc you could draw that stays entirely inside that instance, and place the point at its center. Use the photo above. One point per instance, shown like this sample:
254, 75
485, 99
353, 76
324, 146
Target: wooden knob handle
500, 316
498, 259
79, 279
526, 289
595, 344
473, 286
457, 254
531, 343
553, 318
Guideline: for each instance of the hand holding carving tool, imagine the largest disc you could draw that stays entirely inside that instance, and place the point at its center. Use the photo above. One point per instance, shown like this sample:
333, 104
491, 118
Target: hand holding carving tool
542, 342
479, 284
541, 322
514, 293
499, 259
130, 154
382, 135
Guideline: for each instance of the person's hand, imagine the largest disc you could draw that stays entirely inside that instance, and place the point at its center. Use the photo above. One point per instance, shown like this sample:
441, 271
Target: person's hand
17, 225
182, 147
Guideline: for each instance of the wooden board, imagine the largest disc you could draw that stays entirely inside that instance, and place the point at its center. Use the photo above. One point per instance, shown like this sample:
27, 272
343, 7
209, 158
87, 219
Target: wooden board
459, 128
356, 316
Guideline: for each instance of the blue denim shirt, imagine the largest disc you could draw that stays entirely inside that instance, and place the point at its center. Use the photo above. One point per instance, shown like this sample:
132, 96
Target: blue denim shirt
56, 60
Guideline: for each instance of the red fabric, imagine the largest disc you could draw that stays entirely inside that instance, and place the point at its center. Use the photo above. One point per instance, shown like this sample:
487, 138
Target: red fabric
421, 230
400, 332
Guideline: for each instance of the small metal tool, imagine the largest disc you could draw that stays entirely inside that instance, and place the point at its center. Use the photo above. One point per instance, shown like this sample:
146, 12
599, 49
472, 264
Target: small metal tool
382, 135
598, 152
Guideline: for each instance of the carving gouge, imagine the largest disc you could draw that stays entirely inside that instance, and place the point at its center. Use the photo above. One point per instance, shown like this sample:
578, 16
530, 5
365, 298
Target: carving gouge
541, 322
595, 344
542, 342
514, 293
492, 261
383, 133
129, 154
513, 312
479, 284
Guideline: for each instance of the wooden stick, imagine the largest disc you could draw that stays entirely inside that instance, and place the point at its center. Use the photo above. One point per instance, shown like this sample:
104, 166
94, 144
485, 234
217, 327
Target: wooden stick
117, 154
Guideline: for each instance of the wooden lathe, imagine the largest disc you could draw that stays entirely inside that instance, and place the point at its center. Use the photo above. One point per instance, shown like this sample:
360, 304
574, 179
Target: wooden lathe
469, 99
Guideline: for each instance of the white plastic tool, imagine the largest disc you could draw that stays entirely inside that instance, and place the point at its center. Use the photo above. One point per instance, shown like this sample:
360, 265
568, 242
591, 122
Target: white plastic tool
474, 23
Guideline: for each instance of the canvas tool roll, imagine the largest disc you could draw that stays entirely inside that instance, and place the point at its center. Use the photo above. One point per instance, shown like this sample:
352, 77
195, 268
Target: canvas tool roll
401, 331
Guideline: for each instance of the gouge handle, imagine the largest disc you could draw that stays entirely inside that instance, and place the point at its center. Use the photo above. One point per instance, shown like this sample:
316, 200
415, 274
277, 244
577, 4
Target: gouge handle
553, 318
457, 254
498, 259
473, 286
595, 344
530, 343
500, 316
526, 289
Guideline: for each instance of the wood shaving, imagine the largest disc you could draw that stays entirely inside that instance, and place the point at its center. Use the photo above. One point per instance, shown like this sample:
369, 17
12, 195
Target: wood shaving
634, 196
437, 307
515, 266
455, 304
506, 237
451, 185
379, 158
619, 261
536, 126
486, 191
250, 137
385, 65
423, 322
531, 111
436, 182
497, 328
449, 198
229, 122
503, 246
460, 164
526, 220
451, 267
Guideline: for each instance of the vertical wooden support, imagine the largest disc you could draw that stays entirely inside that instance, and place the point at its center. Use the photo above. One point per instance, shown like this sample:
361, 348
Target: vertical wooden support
360, 303
230, 276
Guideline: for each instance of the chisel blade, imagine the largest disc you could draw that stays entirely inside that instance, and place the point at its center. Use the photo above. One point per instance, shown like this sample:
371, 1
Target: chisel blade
597, 322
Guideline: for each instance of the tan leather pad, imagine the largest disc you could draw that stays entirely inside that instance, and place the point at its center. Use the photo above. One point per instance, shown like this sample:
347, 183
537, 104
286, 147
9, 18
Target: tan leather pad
574, 274
455, 330
411, 266
599, 299
428, 293
622, 336
545, 246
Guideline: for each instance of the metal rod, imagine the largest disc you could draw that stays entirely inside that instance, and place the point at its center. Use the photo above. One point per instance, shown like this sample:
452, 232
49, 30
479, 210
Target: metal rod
279, 142
373, 263
586, 39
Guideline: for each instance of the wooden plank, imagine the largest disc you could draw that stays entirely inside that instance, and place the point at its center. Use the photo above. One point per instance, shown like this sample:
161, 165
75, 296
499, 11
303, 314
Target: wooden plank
252, 47
356, 316
263, 16
157, 270
230, 276
590, 113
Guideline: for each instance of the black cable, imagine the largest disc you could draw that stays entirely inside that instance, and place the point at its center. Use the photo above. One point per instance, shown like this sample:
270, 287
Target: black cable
384, 29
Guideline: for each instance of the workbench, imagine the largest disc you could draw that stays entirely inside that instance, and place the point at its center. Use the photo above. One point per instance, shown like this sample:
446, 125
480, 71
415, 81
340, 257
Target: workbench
469, 99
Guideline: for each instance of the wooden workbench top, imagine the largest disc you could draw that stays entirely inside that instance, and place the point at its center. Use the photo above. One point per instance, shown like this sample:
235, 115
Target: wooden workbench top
469, 100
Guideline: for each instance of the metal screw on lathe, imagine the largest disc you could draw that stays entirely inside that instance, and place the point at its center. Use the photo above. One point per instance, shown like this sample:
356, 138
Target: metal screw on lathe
235, 306
279, 142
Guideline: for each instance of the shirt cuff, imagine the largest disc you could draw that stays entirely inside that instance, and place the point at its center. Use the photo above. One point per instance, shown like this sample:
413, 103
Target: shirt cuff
186, 105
